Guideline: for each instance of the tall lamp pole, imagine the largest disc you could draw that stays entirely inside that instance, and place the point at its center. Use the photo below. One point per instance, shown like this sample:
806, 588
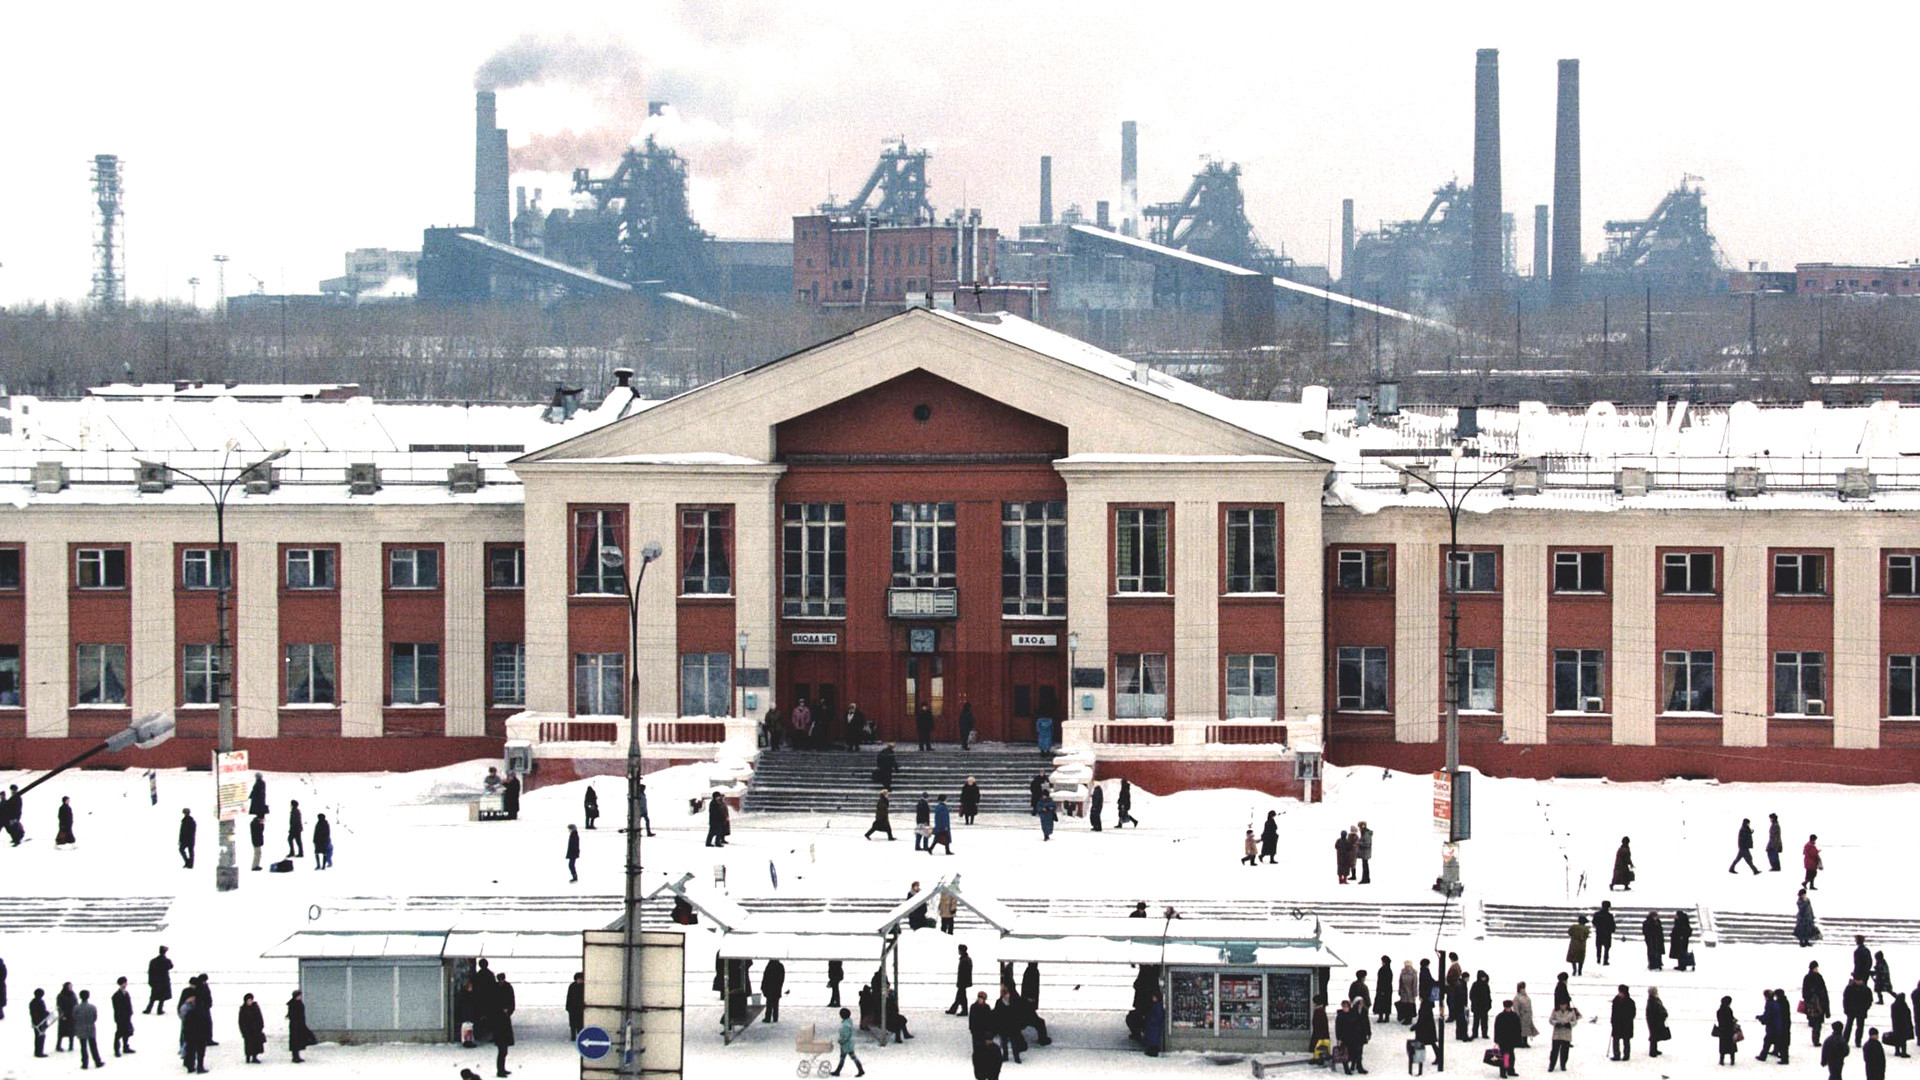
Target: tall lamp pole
612, 558
740, 670
226, 873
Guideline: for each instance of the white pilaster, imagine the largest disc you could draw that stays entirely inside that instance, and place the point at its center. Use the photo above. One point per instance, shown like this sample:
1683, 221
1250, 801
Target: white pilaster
154, 657
256, 636
1745, 675
1853, 672
48, 668
464, 653
1523, 642
1418, 637
363, 640
1634, 666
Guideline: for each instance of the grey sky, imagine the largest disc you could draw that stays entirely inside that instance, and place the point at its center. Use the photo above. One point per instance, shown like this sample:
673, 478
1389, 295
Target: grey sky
283, 136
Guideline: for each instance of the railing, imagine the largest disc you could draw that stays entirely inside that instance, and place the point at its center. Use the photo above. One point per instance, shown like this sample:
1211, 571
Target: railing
594, 731
1247, 734
1151, 733
686, 731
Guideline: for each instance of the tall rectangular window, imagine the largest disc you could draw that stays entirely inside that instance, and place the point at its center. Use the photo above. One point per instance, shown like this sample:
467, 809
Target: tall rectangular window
1683, 572
310, 568
706, 684
413, 568
100, 568
706, 539
507, 567
1361, 568
1579, 571
1800, 683
416, 674
813, 558
199, 675
924, 555
1253, 687
599, 681
205, 568
1903, 575
594, 532
1579, 680
1476, 679
1360, 678
1140, 686
310, 674
1800, 575
1033, 558
509, 672
100, 674
1686, 678
1253, 551
1473, 571
1140, 550
9, 567
1903, 685
9, 675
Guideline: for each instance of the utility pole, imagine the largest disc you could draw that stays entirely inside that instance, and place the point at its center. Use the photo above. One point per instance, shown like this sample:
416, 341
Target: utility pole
1649, 329
193, 292
613, 558
220, 265
1753, 328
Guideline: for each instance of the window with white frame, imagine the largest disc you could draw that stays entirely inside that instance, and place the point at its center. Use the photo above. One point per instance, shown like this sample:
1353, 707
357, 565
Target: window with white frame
1476, 681
1579, 680
1799, 574
1903, 575
1253, 687
813, 557
416, 674
1033, 557
706, 684
100, 674
1473, 571
413, 568
1684, 572
1253, 550
1799, 683
311, 674
924, 555
100, 568
199, 675
599, 683
1140, 550
310, 568
507, 567
1686, 681
1360, 678
1140, 686
205, 568
1579, 571
706, 537
594, 533
509, 672
1903, 685
1361, 568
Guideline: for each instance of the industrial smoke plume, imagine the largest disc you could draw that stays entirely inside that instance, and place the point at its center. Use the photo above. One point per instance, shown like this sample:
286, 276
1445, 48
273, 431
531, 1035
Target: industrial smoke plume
533, 59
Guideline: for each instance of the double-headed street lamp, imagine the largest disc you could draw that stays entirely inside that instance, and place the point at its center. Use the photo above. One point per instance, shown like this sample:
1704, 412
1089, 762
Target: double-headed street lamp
227, 871
612, 558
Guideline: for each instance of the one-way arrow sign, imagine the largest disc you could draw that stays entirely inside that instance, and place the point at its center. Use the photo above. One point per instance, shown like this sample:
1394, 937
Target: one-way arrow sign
593, 1043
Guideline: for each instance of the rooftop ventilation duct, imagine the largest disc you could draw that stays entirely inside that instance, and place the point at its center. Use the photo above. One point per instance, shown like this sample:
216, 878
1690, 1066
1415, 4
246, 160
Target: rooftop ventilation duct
1523, 480
464, 478
152, 477
1745, 481
261, 479
49, 477
1630, 480
363, 478
1857, 483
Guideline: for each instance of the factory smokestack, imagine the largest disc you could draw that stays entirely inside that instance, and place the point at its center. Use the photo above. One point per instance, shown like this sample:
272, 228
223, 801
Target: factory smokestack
1046, 190
1540, 247
1129, 178
491, 209
1346, 245
1485, 270
1566, 186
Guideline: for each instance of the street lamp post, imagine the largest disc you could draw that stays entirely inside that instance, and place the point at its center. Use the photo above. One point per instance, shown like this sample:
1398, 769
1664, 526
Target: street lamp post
612, 558
739, 672
145, 733
226, 874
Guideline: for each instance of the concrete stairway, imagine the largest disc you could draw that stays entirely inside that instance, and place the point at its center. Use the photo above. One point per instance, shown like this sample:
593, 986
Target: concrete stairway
82, 914
1528, 921
841, 782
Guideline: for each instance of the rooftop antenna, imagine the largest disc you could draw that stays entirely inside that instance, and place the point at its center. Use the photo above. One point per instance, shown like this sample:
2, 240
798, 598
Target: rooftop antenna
109, 251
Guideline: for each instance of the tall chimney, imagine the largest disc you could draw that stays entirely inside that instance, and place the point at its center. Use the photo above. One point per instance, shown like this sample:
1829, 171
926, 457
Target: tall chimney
1485, 269
1540, 245
1129, 178
1100, 217
1046, 190
1566, 186
491, 208
1346, 245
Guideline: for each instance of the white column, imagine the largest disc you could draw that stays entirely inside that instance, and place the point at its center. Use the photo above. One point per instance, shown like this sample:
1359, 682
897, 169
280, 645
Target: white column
1634, 686
1087, 588
464, 668
1419, 633
1523, 643
256, 637
1853, 671
48, 651
1745, 674
153, 658
756, 579
549, 668
1303, 665
1196, 611
363, 640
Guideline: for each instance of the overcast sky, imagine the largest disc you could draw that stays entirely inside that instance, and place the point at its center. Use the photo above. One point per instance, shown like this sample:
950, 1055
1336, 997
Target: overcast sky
284, 135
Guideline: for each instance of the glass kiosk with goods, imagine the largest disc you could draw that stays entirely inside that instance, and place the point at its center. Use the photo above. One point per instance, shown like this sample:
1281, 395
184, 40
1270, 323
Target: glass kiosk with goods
1241, 1006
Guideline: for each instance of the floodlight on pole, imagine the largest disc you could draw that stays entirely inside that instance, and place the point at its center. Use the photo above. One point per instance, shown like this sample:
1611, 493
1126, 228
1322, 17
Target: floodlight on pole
612, 558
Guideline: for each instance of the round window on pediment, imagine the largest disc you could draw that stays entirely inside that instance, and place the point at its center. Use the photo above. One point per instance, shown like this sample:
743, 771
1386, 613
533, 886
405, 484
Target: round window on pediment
922, 412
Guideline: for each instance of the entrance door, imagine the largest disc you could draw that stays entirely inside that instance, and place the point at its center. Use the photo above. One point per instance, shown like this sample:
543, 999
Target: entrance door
926, 685
1035, 681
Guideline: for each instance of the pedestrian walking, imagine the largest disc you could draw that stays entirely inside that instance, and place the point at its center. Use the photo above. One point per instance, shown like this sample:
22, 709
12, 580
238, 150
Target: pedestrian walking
1657, 1030
1727, 1030
1874, 1056
1049, 813
1774, 846
1426, 1033
253, 1029
885, 764
1622, 866
1862, 958
1882, 980
773, 984
1562, 1020
1577, 935
1124, 805
1654, 933
966, 724
836, 973
188, 830
1270, 838
646, 818
1814, 1001
962, 982
576, 1004
63, 827
299, 1035
1523, 1008
39, 1019
1603, 927
718, 825
1506, 1037
257, 832
1250, 848
1810, 859
12, 816
296, 839
1805, 929
1681, 947
846, 1046
153, 788
942, 826
196, 1029
1363, 850
881, 821
1833, 1053
1743, 848
923, 824
257, 798
323, 842
1624, 1013
503, 1039
121, 1004
573, 854
159, 982
63, 1004
969, 800
1096, 801
590, 806
86, 1024
1856, 1002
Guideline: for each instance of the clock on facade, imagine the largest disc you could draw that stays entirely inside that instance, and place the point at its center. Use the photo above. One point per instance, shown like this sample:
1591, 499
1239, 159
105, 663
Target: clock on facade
921, 639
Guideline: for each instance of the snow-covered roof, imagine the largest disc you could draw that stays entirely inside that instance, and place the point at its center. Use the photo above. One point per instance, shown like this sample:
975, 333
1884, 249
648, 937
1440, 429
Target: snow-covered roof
426, 944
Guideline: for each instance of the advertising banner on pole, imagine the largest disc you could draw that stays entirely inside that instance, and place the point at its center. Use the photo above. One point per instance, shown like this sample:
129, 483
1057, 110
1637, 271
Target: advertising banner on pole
231, 770
1443, 804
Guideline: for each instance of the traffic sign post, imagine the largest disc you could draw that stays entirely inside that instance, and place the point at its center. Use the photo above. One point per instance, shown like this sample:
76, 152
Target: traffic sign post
594, 1043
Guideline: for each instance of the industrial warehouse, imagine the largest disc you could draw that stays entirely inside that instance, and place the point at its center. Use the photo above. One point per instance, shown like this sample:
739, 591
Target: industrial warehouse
947, 512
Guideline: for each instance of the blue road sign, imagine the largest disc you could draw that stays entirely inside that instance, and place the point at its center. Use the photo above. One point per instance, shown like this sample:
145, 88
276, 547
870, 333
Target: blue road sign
594, 1043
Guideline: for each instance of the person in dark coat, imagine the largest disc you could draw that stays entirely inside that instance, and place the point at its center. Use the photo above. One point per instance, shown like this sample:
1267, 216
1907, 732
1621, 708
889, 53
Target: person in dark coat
322, 843
63, 831
1780, 1027
1874, 1056
717, 826
1624, 1012
773, 983
1036, 787
969, 800
1096, 802
1457, 999
1030, 985
253, 1030
881, 821
576, 1004
1833, 1052
1622, 866
1049, 813
1506, 1036
63, 1003
885, 764
836, 973
1383, 985
1363, 851
196, 1031
646, 819
1124, 805
1682, 941
1743, 848
1655, 935
1805, 929
1270, 839
39, 1020
510, 797
590, 806
854, 729
1319, 1031
159, 982
1425, 1031
188, 830
962, 982
573, 853
1774, 846
922, 824
257, 798
1727, 1030
1603, 928
1346, 1035
1480, 999
1856, 1002
1156, 1027
1007, 1027
257, 832
296, 840
1561, 995
979, 1016
966, 724
1862, 960
502, 1023
3, 989
1901, 1032
923, 726
1657, 1031
1882, 980
1343, 857
1810, 860
1577, 935
122, 1004
299, 1035
1813, 995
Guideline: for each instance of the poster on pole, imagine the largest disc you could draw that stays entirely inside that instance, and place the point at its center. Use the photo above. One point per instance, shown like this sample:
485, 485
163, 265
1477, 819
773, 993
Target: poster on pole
231, 771
1443, 804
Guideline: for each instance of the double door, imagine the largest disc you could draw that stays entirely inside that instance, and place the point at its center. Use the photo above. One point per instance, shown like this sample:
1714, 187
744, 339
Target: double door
925, 687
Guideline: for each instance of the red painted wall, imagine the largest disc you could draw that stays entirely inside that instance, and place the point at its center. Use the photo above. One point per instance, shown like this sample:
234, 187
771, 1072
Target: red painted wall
1804, 624
97, 617
1579, 621
415, 616
1686, 622
309, 616
1899, 634
880, 421
1359, 617
13, 631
